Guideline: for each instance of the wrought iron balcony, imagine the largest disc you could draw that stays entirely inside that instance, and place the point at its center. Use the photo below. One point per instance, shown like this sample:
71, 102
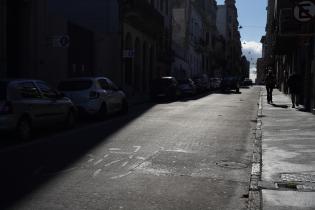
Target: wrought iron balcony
143, 16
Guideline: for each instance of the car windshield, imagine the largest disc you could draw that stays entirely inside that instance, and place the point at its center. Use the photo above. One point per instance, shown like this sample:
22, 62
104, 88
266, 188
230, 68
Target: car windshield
75, 85
3, 90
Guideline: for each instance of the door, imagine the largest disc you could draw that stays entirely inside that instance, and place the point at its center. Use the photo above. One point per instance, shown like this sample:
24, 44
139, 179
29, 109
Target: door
30, 102
107, 94
117, 97
55, 108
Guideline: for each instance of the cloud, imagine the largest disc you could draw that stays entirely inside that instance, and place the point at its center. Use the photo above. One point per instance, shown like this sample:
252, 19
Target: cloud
252, 50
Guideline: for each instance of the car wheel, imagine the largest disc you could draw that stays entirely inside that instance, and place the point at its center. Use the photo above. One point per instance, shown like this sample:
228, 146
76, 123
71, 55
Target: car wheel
70, 121
102, 113
24, 129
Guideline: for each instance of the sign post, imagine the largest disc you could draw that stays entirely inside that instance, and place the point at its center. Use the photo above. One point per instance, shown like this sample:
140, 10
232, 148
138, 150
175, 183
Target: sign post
304, 11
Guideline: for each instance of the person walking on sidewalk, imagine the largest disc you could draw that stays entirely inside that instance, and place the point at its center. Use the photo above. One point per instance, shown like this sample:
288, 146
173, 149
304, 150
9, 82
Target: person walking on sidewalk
294, 83
270, 85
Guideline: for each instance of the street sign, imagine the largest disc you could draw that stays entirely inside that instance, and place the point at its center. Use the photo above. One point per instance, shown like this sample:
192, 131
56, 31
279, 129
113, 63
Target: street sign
304, 11
62, 41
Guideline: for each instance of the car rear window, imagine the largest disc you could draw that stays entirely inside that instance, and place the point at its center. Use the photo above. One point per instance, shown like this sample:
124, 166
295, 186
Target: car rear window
76, 85
3, 90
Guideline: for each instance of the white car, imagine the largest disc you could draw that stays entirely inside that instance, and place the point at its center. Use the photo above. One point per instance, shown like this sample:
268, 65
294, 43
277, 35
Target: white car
29, 104
97, 96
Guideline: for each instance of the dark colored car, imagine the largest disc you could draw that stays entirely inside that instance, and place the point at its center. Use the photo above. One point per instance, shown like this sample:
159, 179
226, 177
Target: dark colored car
165, 87
187, 87
230, 83
247, 82
215, 83
202, 83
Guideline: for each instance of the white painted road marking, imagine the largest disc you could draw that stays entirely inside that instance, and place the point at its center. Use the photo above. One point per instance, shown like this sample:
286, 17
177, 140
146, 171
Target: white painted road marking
137, 148
114, 149
98, 162
124, 164
121, 153
111, 163
121, 176
97, 172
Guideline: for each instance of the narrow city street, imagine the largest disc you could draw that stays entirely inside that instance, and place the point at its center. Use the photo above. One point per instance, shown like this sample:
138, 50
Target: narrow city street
188, 154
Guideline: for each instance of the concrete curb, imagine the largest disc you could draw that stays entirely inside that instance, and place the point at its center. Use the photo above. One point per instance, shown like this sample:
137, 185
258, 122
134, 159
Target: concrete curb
255, 196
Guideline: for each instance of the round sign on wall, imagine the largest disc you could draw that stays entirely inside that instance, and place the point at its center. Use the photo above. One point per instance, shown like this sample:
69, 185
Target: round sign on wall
304, 11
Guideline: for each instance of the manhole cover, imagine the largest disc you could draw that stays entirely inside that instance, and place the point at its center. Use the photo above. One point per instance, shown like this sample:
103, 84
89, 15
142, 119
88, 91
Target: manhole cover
231, 164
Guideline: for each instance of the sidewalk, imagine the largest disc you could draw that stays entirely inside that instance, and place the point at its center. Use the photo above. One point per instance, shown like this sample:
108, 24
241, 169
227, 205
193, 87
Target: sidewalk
288, 155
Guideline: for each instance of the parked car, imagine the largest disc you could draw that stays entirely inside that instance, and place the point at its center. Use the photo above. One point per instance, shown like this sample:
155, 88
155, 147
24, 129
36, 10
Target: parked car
230, 83
215, 83
165, 87
187, 87
202, 83
97, 96
247, 82
29, 104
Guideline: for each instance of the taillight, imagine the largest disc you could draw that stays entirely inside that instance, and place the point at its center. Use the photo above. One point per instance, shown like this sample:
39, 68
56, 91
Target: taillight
94, 95
6, 108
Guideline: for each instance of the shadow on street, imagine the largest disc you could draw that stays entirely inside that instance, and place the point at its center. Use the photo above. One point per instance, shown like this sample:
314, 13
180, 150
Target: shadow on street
22, 166
280, 106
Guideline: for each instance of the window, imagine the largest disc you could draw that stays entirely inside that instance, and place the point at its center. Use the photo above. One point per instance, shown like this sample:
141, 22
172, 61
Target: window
28, 90
47, 91
103, 84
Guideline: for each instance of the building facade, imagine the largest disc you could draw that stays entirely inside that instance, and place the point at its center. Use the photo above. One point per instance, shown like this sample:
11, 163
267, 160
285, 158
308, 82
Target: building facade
290, 49
245, 68
228, 25
194, 36
53, 40
147, 35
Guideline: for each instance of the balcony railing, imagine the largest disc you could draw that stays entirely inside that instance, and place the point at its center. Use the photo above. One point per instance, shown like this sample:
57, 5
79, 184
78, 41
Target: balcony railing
143, 16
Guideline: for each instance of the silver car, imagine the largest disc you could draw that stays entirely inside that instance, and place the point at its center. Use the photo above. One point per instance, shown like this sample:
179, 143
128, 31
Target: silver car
29, 104
97, 96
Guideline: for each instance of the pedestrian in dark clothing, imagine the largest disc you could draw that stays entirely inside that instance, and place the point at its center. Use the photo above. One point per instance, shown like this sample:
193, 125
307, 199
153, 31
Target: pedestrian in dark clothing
270, 85
294, 83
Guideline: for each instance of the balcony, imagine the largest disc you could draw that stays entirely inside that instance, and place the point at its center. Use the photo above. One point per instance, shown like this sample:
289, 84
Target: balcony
143, 16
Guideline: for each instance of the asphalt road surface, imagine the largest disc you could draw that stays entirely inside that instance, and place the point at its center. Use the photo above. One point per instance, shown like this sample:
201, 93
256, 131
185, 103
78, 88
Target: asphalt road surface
189, 154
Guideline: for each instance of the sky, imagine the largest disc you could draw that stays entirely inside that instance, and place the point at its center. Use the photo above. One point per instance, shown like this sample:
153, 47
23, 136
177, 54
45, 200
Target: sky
252, 16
